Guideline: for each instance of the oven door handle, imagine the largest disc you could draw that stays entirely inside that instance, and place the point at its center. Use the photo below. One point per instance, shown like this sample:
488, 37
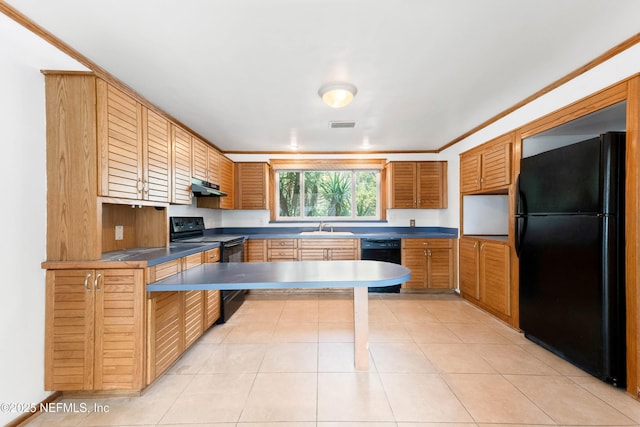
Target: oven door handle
232, 245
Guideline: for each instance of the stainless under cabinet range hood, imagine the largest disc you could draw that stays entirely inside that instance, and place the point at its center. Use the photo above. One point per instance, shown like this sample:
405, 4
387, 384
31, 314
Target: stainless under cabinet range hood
202, 188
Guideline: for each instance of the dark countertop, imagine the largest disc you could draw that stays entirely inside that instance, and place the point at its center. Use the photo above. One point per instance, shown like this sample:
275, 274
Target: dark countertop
154, 256
358, 232
147, 257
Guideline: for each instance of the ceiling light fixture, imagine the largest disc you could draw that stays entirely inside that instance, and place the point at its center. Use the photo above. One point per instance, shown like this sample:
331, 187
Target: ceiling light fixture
337, 95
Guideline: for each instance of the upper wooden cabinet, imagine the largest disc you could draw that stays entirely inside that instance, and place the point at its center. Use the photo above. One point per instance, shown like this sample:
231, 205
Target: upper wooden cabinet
420, 185
252, 185
134, 146
488, 167
120, 168
205, 162
227, 182
156, 157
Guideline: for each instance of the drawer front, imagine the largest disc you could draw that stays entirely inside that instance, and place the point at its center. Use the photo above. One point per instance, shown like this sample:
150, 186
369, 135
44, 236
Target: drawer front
427, 243
164, 270
282, 254
192, 261
328, 243
212, 255
281, 243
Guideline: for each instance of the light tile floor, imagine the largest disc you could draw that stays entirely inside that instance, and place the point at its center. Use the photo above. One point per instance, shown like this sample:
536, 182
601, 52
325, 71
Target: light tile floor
286, 360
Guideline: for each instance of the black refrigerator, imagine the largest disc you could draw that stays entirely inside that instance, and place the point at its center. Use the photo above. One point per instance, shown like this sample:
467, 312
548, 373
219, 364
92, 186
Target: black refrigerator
570, 243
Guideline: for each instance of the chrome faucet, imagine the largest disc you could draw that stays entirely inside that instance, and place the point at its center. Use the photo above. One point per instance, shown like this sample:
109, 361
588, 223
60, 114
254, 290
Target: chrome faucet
320, 226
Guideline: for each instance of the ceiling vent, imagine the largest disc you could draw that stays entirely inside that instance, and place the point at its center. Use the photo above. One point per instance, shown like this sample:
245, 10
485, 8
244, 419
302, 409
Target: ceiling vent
342, 125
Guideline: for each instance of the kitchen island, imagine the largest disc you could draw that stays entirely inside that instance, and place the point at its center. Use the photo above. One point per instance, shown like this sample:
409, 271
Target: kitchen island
358, 275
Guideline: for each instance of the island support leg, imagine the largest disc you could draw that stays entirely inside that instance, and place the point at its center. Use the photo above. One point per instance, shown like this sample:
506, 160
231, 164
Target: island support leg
361, 327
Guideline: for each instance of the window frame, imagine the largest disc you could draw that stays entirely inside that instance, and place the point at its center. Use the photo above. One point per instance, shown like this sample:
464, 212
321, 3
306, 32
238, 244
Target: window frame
330, 165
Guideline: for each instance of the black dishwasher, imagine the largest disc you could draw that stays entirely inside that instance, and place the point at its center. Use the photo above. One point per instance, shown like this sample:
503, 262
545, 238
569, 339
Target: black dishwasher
382, 249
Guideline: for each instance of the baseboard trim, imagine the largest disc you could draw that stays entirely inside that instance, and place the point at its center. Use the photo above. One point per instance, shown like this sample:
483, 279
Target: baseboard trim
27, 416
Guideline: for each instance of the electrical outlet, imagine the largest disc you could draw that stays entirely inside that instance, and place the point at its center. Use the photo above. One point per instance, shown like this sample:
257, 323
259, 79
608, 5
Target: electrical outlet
412, 223
119, 232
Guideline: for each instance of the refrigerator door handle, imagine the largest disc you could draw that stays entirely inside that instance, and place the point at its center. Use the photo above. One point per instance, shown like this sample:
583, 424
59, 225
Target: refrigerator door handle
519, 217
521, 226
520, 202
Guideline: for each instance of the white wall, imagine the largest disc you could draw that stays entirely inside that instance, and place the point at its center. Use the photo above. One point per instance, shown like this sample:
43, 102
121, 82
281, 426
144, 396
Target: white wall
612, 71
23, 215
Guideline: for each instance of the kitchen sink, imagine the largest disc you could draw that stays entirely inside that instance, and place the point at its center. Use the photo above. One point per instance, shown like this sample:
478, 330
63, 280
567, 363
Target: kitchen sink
326, 233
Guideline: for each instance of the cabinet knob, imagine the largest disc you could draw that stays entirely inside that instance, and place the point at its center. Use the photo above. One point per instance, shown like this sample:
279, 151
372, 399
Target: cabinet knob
96, 282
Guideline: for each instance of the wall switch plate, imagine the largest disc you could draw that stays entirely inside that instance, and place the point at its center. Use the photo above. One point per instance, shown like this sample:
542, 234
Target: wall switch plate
119, 232
412, 223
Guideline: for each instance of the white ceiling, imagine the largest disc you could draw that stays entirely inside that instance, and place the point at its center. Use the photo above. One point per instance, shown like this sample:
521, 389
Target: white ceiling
245, 73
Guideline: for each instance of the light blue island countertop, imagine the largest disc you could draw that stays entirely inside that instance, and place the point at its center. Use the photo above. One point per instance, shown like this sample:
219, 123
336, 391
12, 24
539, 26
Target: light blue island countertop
358, 275
284, 275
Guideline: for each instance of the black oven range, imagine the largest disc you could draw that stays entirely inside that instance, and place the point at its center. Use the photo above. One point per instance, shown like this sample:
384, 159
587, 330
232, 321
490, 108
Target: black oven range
188, 229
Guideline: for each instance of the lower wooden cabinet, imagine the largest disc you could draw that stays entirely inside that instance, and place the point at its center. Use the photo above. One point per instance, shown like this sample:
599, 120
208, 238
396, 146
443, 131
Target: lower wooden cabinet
485, 274
177, 319
255, 250
94, 329
165, 330
431, 261
211, 298
282, 250
328, 249
316, 249
193, 305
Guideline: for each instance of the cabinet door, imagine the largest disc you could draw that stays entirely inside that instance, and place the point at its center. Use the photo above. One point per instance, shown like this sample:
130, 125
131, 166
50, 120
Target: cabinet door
494, 276
164, 332
431, 185
213, 165
496, 166
227, 182
212, 302
212, 297
193, 316
255, 250
470, 172
342, 254
120, 143
69, 326
119, 325
469, 268
199, 165
252, 184
157, 157
416, 261
440, 268
181, 141
403, 185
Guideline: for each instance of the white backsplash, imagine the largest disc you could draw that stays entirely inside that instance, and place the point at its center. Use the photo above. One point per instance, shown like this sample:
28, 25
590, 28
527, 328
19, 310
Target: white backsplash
395, 218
